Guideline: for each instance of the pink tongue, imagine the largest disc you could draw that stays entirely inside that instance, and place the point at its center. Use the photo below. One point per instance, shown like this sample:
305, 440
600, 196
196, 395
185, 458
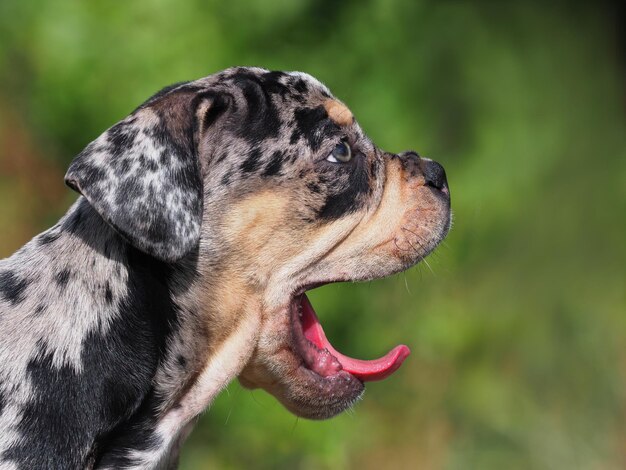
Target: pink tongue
366, 371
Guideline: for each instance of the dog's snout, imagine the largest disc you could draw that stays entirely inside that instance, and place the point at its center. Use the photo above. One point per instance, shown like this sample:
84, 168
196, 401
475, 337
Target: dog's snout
434, 174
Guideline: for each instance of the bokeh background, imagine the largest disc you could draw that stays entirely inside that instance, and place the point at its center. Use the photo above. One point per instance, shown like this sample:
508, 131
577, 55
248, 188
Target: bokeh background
517, 323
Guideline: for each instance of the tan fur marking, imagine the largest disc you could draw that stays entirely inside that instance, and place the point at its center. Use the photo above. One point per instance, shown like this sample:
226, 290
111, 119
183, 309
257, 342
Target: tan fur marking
339, 112
263, 234
256, 217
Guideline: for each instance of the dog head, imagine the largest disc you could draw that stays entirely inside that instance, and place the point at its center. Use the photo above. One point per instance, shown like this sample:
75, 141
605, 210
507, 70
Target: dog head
271, 182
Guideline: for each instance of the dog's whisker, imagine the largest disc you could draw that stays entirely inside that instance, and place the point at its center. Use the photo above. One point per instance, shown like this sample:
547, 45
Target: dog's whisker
257, 401
418, 240
295, 424
428, 265
406, 284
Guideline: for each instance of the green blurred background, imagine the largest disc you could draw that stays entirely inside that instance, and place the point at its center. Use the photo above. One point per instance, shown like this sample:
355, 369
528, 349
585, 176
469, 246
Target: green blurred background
517, 323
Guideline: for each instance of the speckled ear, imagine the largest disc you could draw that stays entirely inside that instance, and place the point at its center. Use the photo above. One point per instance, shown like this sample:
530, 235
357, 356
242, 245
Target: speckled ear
143, 174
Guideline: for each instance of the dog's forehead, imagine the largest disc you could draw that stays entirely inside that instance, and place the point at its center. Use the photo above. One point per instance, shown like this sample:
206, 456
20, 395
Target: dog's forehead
311, 81
299, 82
294, 88
319, 93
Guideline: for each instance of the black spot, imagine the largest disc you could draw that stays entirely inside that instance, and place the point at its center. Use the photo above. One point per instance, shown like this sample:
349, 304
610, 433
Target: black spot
165, 159
226, 178
300, 86
252, 162
122, 167
108, 295
312, 124
157, 232
349, 196
374, 166
48, 237
182, 362
271, 81
275, 164
314, 187
62, 277
41, 308
3, 401
222, 157
295, 136
150, 165
120, 137
12, 287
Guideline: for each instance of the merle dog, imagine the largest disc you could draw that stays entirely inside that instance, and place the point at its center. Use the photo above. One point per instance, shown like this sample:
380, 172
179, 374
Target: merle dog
203, 219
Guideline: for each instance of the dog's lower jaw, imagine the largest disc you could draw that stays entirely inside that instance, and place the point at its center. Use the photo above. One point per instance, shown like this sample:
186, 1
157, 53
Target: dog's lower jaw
279, 367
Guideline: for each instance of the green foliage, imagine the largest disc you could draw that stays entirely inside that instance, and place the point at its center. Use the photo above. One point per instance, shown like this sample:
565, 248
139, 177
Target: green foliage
517, 322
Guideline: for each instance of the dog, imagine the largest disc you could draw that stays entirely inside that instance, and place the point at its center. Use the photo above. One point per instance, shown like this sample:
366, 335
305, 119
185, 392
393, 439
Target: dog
203, 219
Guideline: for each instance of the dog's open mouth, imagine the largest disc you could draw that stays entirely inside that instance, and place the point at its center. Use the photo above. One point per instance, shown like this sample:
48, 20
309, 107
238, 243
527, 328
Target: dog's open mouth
322, 358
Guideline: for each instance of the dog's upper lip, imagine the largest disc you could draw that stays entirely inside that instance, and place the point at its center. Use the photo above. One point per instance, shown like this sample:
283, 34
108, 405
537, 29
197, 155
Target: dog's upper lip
324, 359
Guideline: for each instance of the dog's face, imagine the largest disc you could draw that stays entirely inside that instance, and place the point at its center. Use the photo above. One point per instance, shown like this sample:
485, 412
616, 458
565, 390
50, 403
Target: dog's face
274, 182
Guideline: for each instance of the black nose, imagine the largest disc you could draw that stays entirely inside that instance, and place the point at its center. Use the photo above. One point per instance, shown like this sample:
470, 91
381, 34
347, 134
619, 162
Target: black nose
434, 174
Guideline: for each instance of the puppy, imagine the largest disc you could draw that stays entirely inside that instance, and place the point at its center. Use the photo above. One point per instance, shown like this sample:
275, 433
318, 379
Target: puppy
203, 219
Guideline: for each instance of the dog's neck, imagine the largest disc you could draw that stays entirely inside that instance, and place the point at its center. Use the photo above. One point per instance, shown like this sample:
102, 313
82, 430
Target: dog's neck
172, 334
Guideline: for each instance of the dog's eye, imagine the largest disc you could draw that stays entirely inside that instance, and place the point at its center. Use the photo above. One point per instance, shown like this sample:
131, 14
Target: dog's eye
342, 153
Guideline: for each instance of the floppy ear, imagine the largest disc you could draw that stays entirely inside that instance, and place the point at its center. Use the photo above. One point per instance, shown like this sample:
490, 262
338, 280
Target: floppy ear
143, 174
